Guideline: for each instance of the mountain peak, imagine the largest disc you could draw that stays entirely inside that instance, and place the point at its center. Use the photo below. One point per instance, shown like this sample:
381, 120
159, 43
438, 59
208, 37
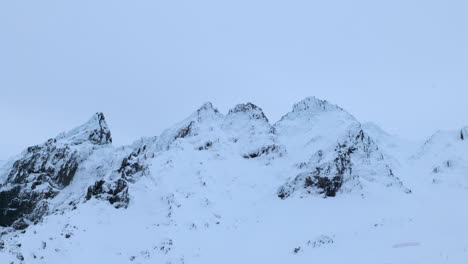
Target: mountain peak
95, 130
313, 104
253, 111
208, 106
206, 111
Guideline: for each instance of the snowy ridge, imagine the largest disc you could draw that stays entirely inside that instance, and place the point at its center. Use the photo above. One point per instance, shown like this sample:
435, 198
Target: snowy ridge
444, 157
43, 170
191, 126
95, 131
341, 156
234, 188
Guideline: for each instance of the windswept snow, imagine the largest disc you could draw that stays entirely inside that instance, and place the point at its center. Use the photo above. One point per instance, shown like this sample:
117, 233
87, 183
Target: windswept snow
209, 190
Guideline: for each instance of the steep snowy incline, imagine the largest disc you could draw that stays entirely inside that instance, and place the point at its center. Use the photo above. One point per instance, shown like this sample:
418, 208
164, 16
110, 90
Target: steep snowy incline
443, 158
40, 172
203, 123
245, 130
332, 151
396, 150
233, 188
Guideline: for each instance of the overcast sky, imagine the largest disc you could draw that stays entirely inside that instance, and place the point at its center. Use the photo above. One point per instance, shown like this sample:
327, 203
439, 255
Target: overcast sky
149, 64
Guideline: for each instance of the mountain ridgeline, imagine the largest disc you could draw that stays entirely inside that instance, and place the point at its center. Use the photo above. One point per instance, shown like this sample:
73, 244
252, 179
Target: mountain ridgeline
318, 149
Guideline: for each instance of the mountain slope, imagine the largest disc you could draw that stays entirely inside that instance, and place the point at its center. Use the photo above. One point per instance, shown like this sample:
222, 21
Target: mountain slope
336, 153
443, 158
43, 170
231, 188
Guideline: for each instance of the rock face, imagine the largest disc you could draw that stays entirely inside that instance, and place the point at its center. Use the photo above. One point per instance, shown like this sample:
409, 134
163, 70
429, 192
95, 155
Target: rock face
95, 131
115, 189
42, 171
245, 128
340, 156
324, 148
252, 111
201, 123
352, 161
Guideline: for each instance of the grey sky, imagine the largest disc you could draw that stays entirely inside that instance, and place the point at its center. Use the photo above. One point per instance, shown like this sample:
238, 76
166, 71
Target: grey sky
149, 64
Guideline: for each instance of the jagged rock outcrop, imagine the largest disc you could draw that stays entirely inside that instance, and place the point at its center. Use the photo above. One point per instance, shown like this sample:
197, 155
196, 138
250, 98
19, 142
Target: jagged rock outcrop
94, 131
247, 119
115, 190
252, 111
201, 122
343, 157
326, 178
253, 134
334, 153
42, 171
265, 150
244, 129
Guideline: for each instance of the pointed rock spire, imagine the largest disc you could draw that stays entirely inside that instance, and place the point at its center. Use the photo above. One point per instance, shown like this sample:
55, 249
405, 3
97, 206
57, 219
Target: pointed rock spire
101, 134
42, 171
206, 111
95, 131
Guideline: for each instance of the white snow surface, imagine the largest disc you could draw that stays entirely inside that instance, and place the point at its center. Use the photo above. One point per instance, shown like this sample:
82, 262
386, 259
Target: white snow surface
205, 200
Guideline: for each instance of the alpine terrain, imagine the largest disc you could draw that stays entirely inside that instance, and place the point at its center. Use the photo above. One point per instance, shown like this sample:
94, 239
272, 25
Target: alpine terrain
318, 186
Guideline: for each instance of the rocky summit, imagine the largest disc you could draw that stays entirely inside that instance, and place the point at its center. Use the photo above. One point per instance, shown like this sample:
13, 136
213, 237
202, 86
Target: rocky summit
316, 186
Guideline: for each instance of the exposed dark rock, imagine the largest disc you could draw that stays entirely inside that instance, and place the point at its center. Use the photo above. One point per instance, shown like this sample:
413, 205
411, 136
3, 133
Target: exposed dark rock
254, 111
328, 186
184, 132
44, 170
49, 162
207, 146
116, 192
444, 166
133, 163
266, 150
320, 241
462, 137
102, 134
21, 224
39, 175
314, 104
166, 246
326, 179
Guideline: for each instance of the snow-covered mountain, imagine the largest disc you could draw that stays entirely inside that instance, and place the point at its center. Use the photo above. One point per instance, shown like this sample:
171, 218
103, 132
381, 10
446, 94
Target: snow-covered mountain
444, 156
317, 186
334, 151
